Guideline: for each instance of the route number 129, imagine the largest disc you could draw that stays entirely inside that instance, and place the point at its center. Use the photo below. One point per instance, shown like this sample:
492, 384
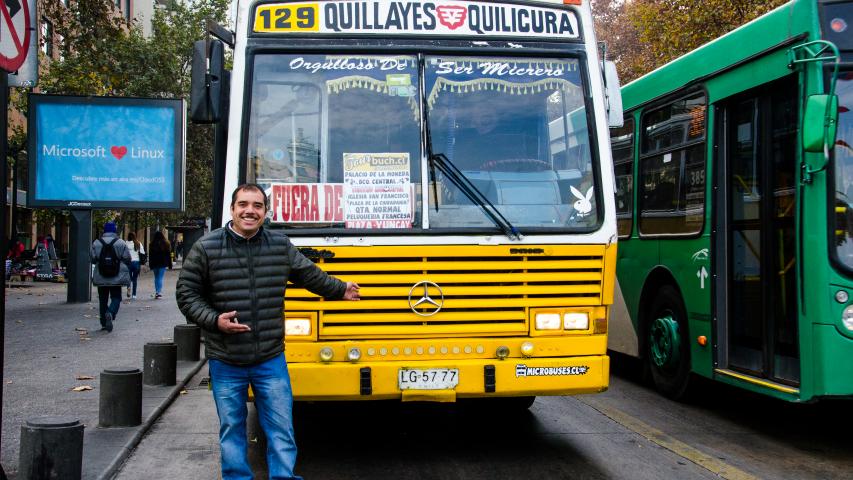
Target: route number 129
287, 18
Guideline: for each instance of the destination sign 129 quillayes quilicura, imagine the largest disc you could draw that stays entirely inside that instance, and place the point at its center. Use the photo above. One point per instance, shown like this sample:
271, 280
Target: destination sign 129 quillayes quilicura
472, 19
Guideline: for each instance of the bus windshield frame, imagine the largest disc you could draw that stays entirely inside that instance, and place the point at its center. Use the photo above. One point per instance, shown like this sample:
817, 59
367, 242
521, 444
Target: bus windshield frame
372, 157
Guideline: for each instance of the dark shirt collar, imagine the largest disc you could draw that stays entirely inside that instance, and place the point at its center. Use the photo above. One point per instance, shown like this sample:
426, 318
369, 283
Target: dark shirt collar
235, 232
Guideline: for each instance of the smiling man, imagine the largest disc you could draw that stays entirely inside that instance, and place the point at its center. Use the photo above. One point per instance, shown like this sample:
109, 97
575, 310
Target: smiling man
232, 285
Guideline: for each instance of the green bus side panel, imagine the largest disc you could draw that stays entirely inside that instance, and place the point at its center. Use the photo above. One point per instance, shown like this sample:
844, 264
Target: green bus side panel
687, 259
635, 259
833, 373
759, 72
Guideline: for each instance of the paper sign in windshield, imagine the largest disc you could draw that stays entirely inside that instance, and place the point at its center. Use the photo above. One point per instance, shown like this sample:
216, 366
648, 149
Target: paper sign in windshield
305, 202
377, 190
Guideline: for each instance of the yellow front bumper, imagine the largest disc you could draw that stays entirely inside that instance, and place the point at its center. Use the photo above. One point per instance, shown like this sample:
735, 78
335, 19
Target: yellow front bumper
512, 377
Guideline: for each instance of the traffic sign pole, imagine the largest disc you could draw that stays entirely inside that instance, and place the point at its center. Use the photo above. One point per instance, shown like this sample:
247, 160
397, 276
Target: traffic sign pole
4, 239
14, 37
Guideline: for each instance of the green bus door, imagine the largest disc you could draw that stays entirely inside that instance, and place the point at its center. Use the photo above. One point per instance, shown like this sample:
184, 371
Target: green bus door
757, 326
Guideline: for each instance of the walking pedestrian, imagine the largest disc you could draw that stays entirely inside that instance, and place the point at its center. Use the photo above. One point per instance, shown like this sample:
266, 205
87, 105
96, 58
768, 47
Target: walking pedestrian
50, 243
232, 285
137, 252
111, 258
159, 258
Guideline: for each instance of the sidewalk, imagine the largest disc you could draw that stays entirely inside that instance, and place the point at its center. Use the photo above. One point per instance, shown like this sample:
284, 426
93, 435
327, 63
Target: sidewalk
50, 343
184, 442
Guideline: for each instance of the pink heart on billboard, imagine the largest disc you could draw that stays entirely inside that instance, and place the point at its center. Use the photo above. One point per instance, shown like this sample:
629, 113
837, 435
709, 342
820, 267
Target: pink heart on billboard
118, 152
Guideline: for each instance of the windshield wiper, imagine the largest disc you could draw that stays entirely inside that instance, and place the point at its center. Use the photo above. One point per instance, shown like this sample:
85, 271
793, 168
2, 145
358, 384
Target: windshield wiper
470, 190
460, 180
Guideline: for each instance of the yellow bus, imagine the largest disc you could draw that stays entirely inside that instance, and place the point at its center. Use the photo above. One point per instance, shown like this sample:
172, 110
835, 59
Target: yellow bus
451, 157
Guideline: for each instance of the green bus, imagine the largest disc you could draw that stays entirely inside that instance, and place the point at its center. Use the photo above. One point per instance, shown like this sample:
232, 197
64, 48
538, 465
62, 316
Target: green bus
734, 201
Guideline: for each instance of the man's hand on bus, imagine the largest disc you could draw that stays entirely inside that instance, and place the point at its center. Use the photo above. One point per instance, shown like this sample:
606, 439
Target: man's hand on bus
352, 291
227, 322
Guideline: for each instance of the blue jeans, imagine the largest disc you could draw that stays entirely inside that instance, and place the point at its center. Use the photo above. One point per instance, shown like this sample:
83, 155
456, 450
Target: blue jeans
109, 293
274, 401
158, 279
134, 274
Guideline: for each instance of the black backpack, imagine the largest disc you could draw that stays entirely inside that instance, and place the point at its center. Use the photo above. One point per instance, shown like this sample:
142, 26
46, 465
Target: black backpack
108, 262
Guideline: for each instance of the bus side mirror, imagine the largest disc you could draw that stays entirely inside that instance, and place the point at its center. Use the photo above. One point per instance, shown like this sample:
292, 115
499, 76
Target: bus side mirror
820, 122
613, 95
208, 69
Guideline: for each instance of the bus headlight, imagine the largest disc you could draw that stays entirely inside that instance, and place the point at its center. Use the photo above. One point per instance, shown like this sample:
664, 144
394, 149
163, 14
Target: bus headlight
297, 326
548, 321
576, 321
527, 349
847, 318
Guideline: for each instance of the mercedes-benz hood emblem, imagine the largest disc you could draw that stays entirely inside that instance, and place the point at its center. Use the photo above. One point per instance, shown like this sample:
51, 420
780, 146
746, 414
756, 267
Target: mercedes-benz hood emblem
432, 305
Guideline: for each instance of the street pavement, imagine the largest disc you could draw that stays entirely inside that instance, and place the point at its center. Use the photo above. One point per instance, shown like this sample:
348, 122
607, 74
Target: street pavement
51, 343
628, 432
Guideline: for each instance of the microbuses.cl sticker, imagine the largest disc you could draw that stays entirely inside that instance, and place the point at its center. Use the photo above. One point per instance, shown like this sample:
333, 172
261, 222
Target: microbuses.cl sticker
522, 370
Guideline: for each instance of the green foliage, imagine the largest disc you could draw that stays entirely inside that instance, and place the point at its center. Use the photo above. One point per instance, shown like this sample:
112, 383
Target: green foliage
621, 37
645, 34
102, 54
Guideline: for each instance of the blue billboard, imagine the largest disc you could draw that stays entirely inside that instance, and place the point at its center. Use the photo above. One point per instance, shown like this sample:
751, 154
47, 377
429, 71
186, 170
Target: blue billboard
106, 152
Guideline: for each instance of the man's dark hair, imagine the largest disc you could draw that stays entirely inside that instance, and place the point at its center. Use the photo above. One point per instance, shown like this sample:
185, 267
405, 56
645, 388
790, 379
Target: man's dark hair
250, 187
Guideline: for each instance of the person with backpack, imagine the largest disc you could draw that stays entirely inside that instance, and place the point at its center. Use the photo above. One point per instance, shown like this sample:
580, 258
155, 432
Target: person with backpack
111, 258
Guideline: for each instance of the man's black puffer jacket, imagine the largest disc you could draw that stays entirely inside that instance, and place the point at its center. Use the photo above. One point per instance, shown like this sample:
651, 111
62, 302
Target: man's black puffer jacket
225, 272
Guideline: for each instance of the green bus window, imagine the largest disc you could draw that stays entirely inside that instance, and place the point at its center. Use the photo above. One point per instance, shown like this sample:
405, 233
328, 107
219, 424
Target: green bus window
622, 145
843, 168
672, 168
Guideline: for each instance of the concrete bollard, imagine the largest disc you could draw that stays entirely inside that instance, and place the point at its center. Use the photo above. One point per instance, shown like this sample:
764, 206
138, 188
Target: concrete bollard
188, 339
160, 364
51, 447
120, 403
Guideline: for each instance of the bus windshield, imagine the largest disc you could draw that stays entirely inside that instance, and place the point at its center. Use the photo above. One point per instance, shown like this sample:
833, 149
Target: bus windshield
517, 129
336, 141
843, 152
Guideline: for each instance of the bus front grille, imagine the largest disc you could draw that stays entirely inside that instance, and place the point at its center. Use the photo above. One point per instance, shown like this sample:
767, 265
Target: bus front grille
481, 290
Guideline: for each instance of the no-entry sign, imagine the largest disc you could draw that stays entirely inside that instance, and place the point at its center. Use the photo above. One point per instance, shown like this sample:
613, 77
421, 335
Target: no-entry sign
14, 34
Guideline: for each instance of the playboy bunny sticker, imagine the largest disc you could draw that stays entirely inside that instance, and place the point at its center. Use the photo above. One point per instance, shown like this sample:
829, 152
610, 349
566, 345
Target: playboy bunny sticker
583, 204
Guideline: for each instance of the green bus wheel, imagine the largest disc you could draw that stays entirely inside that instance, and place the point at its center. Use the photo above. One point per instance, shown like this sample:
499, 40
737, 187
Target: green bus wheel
667, 352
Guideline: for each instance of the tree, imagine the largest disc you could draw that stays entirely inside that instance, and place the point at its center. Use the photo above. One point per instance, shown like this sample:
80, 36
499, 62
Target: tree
621, 38
646, 34
175, 31
103, 54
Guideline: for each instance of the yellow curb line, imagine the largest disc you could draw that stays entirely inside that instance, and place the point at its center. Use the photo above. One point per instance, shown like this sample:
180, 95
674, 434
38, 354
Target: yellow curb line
677, 447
